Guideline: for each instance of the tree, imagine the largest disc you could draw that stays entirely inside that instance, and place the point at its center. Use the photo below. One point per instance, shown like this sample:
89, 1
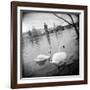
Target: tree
73, 23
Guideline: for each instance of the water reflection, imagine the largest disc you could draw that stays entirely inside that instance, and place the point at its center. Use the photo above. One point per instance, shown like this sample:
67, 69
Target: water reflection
47, 40
35, 40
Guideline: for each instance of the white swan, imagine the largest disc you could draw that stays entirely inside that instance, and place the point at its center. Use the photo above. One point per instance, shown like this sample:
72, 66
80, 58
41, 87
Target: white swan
59, 57
41, 57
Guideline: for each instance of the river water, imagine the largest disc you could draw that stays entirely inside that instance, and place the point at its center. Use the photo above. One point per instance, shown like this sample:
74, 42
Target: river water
54, 42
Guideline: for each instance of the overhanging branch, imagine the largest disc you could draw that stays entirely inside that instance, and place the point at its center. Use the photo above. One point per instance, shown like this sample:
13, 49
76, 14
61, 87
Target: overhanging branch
62, 19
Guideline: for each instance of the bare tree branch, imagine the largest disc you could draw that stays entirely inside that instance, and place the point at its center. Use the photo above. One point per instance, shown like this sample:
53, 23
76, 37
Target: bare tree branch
73, 23
62, 19
71, 18
77, 31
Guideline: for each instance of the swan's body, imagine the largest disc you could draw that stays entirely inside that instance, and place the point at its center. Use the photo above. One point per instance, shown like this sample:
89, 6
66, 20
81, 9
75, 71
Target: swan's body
41, 57
59, 57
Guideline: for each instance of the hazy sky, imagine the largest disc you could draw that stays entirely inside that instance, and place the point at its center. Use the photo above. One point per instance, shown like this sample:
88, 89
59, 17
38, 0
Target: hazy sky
36, 20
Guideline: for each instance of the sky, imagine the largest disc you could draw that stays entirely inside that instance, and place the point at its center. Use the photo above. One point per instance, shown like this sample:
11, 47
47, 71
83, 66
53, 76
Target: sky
37, 19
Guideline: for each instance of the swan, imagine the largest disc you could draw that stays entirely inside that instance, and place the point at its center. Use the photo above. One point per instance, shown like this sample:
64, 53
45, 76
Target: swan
41, 59
59, 57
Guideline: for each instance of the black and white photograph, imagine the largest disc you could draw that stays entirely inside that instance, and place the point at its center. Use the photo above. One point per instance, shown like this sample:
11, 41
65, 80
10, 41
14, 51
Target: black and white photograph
49, 44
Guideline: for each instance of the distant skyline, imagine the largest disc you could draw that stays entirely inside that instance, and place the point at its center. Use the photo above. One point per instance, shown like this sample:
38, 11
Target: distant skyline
37, 19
